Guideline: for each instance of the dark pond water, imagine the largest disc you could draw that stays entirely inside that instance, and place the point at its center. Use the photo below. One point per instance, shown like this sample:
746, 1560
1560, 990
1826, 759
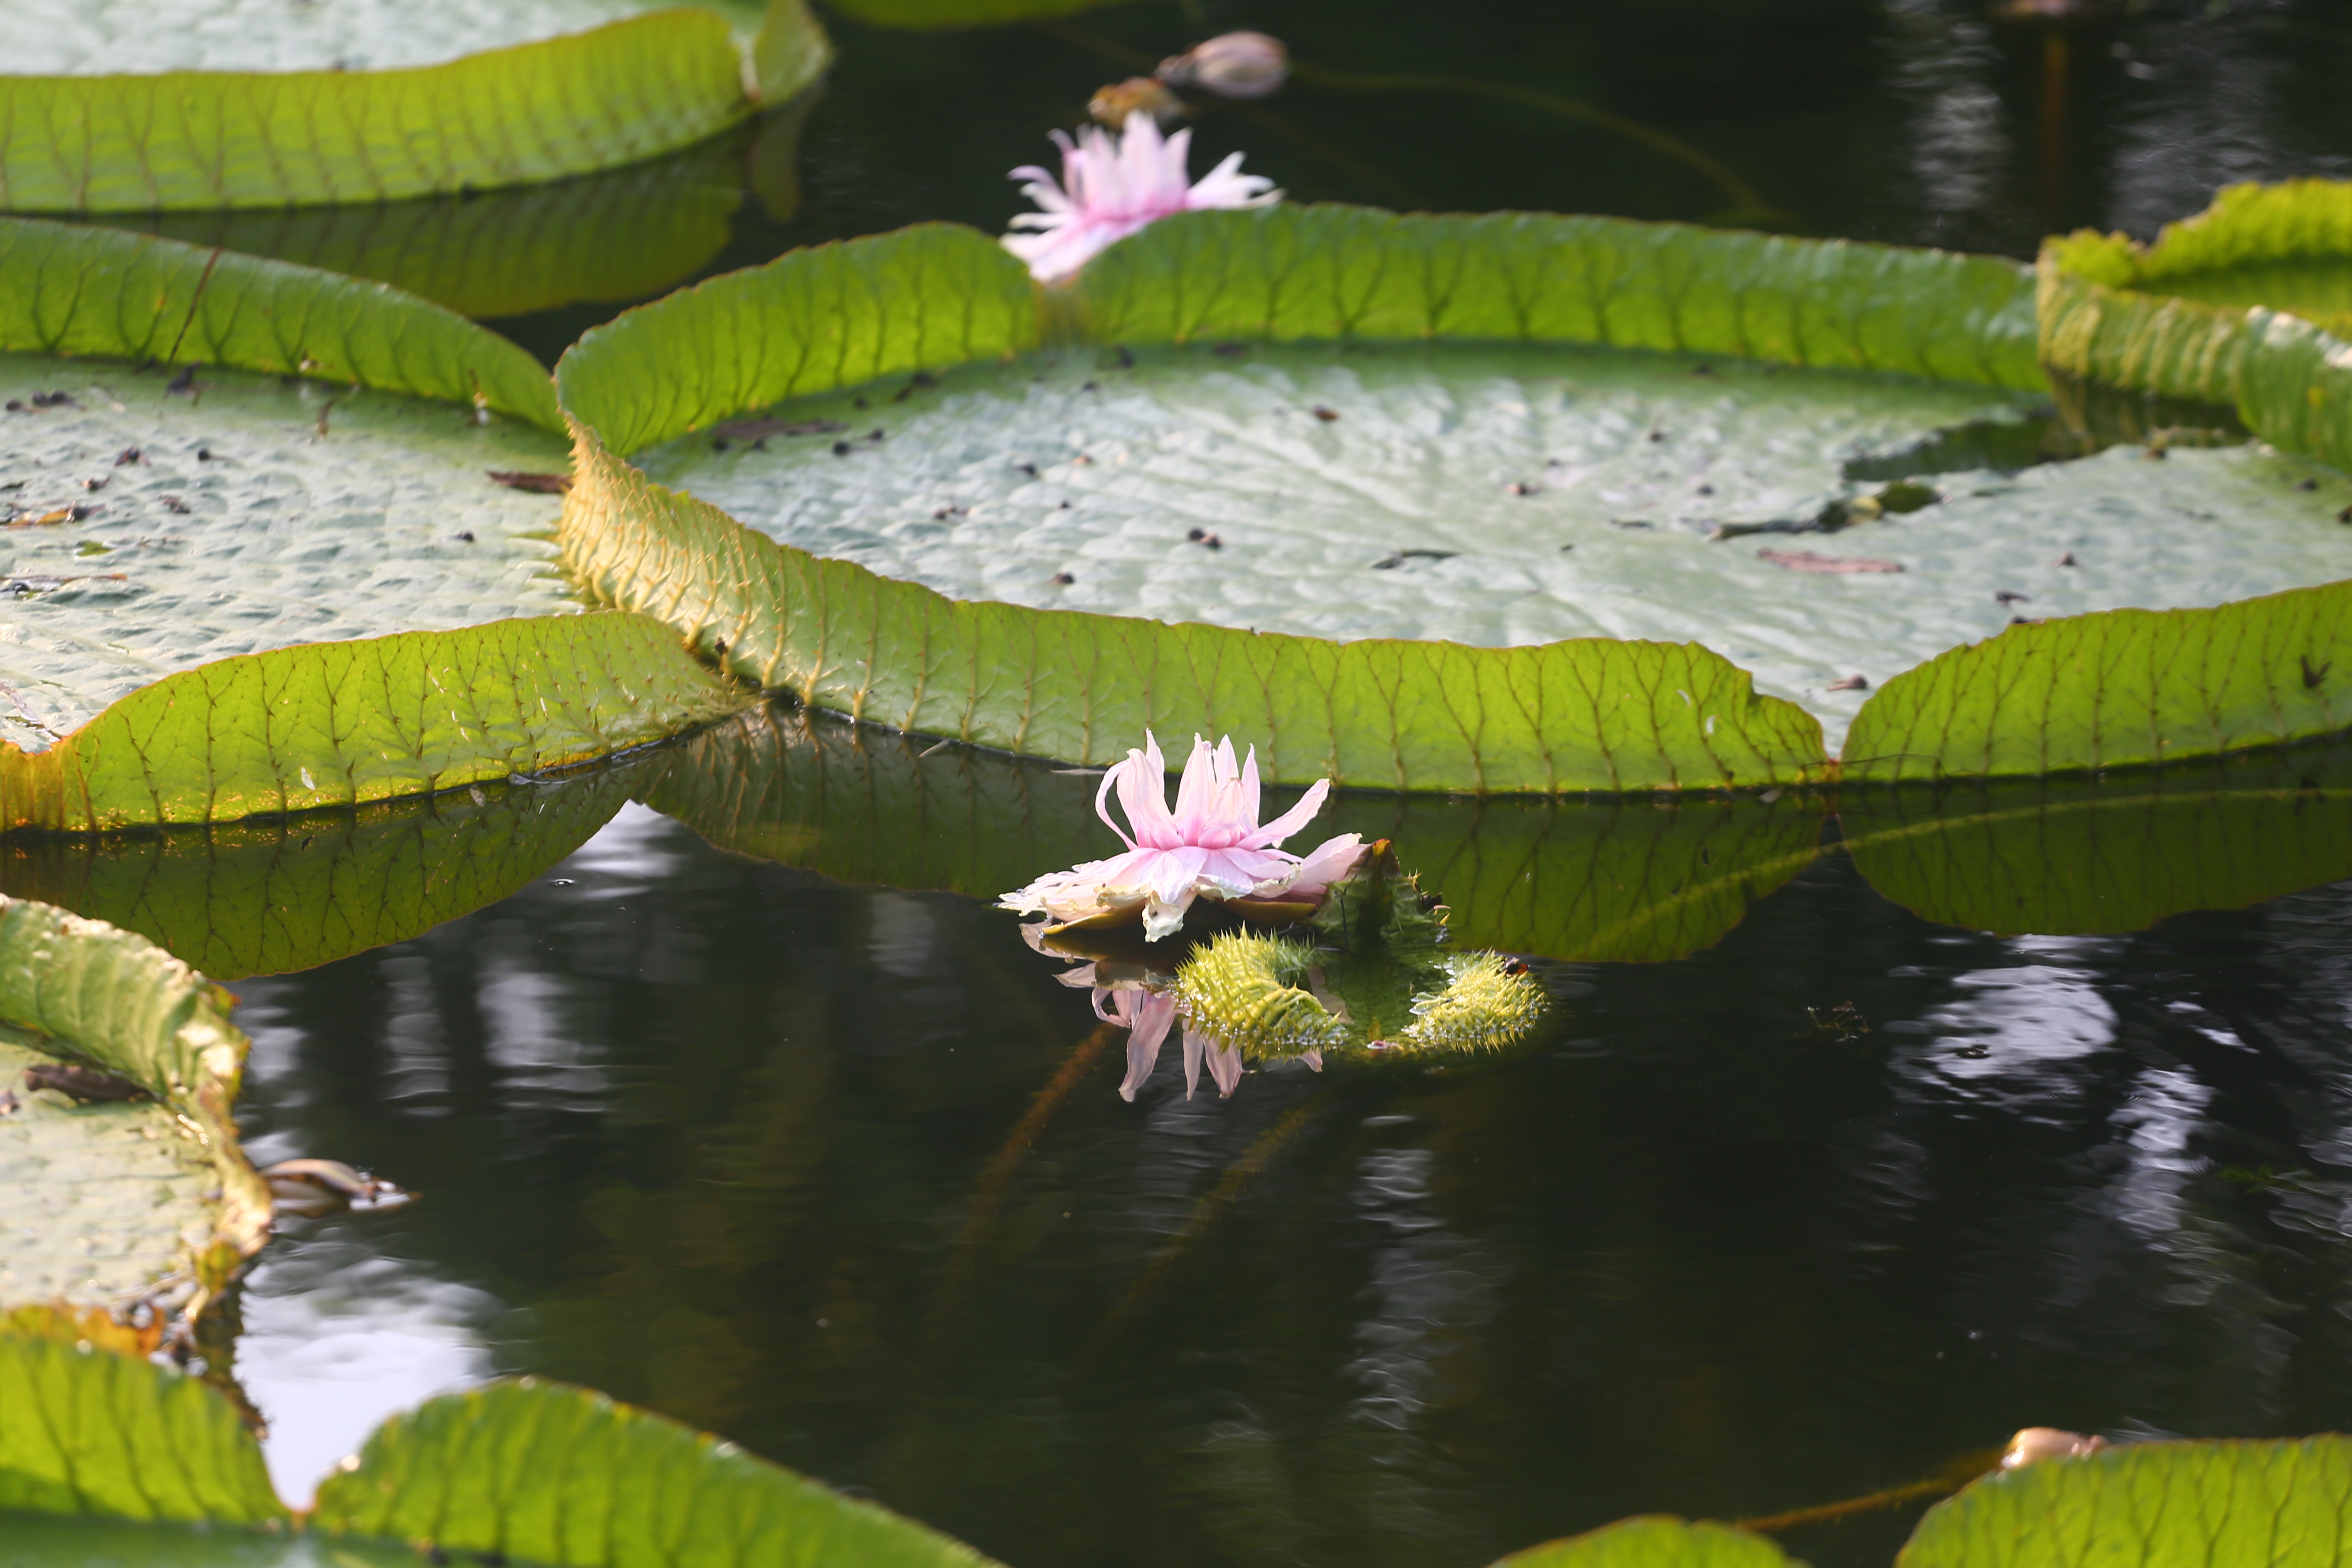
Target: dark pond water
1841, 1198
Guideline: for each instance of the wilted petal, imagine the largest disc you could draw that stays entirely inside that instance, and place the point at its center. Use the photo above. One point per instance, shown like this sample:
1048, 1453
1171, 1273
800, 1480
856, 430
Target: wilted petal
1326, 863
1314, 1060
1195, 1045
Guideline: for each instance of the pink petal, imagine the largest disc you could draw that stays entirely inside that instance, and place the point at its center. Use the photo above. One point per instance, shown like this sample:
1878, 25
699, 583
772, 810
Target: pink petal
1195, 1045
1314, 1060
1291, 821
1178, 869
1326, 864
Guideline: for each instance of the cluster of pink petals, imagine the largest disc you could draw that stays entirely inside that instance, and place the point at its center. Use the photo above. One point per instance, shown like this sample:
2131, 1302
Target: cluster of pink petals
1114, 184
1211, 846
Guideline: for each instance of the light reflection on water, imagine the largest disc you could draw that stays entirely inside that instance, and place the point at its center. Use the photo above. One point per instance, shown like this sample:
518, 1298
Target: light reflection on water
708, 1133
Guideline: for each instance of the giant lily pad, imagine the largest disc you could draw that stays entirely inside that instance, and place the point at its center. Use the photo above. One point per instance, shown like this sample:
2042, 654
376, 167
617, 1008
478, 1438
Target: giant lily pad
216, 530
113, 1203
1223, 421
203, 107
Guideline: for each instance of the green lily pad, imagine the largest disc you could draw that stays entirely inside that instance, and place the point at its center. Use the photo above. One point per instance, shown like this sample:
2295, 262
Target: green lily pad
927, 14
1502, 496
207, 106
1655, 1540
564, 1476
223, 527
2151, 1505
219, 521
37, 1541
115, 1203
282, 893
91, 1431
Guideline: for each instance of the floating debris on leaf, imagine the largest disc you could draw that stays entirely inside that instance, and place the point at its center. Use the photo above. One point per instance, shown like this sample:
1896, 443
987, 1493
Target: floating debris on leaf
539, 484
308, 1189
1849, 683
87, 1085
1806, 561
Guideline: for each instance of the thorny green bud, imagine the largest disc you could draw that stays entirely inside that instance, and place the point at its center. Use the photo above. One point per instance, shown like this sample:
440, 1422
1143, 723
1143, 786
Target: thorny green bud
1488, 1003
1236, 991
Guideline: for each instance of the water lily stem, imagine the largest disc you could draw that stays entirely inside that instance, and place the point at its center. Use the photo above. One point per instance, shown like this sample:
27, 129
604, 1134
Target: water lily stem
1948, 1480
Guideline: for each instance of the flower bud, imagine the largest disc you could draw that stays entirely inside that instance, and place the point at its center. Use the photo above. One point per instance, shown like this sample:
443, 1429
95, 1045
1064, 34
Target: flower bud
1232, 65
1137, 95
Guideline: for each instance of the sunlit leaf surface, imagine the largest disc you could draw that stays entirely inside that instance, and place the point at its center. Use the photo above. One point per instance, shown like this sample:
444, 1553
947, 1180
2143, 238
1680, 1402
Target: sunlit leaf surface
283, 893
1653, 1541
564, 1476
2153, 1505
36, 1540
927, 14
90, 1432
2122, 688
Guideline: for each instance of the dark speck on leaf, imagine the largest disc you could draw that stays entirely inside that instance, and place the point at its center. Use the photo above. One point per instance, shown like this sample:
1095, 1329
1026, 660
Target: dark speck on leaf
1517, 488
903, 393
1706, 490
1091, 386
1229, 351
841, 449
761, 430
16, 406
538, 484
96, 484
1325, 415
1657, 435
464, 536
2313, 677
1063, 579
719, 443
875, 435
1028, 468
205, 455
175, 504
183, 383
436, 1556
1702, 370
494, 1558
1628, 522
923, 378
1849, 683
1202, 536
2307, 484
85, 1084
1062, 506
2022, 621
2344, 516
2004, 597
129, 455
1126, 359
859, 403
2066, 560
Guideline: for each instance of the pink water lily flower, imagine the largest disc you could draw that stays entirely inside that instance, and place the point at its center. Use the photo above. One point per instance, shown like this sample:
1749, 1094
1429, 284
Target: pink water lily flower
1114, 184
1211, 846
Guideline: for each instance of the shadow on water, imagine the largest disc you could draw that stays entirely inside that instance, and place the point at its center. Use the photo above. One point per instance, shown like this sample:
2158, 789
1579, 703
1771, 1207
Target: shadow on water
1840, 1185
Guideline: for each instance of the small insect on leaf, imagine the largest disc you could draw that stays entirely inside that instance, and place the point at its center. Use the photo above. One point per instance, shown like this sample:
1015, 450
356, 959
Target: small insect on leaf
1062, 579
538, 484
1325, 415
1849, 683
